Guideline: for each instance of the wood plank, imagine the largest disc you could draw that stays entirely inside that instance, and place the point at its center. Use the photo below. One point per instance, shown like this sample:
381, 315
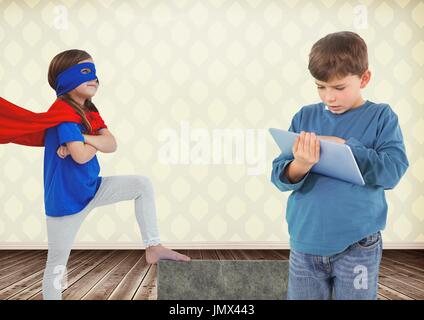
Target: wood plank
403, 277
148, 287
284, 254
14, 266
23, 271
402, 283
81, 269
182, 251
403, 268
11, 254
399, 286
419, 252
6, 254
129, 285
405, 258
239, 255
401, 273
103, 289
34, 289
8, 251
270, 255
209, 255
194, 254
24, 284
78, 289
405, 265
253, 255
414, 252
15, 259
224, 255
391, 294
381, 297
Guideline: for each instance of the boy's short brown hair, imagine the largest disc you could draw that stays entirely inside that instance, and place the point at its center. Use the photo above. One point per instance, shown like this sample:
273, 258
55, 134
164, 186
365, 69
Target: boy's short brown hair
338, 55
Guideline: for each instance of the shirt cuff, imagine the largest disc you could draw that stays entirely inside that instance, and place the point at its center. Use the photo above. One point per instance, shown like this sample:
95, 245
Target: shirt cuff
286, 183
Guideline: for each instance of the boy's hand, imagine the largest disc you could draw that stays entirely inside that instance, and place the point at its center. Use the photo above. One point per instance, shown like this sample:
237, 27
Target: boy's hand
306, 150
63, 152
332, 138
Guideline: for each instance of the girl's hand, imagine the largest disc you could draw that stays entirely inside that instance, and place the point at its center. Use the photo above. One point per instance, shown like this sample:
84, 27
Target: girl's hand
306, 150
63, 152
332, 138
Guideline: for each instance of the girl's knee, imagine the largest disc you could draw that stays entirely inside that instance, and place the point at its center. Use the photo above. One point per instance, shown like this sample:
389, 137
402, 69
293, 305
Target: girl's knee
144, 183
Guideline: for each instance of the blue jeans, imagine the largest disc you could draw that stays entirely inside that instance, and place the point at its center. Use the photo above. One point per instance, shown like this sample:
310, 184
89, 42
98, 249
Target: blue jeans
348, 275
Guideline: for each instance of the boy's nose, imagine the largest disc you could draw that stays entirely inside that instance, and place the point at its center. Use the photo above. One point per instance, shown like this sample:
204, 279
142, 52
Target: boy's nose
330, 98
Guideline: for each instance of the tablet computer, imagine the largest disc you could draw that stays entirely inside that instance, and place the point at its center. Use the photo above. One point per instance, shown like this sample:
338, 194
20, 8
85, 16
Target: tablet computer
336, 159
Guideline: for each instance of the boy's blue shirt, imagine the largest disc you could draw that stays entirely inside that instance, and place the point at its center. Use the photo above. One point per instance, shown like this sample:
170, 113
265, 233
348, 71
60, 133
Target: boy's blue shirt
326, 215
68, 185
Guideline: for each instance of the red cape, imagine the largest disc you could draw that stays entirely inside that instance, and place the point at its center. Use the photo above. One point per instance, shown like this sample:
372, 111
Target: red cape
21, 126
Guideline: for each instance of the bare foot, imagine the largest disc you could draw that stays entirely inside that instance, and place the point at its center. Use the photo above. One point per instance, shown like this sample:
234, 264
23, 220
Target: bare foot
159, 252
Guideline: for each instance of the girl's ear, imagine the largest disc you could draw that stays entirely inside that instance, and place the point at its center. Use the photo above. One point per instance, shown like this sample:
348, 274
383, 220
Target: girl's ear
365, 78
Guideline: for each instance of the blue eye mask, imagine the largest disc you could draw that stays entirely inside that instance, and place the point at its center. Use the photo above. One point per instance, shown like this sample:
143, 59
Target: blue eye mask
74, 76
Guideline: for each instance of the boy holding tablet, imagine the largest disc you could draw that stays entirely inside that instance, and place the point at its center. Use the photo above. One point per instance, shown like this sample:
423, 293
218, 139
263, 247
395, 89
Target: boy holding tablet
334, 226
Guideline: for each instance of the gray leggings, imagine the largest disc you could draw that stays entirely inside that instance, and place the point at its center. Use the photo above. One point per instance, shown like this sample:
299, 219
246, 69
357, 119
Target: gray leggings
61, 231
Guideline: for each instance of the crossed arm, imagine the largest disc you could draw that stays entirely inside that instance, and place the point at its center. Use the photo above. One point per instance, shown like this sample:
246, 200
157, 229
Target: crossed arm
82, 152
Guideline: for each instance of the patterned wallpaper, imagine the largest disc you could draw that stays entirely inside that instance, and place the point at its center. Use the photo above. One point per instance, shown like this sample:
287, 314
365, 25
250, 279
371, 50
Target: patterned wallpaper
189, 88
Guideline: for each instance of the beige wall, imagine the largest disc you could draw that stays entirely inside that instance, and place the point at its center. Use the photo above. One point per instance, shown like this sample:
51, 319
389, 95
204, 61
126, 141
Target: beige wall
211, 65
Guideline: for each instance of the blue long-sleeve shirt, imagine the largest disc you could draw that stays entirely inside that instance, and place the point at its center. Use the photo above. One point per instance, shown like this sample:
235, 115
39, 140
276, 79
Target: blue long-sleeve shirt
326, 215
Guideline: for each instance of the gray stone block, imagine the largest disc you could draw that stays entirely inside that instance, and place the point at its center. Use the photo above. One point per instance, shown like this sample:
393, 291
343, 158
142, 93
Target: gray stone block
222, 280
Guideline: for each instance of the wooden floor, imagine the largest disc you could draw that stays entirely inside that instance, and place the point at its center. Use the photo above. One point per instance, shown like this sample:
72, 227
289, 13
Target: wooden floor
124, 274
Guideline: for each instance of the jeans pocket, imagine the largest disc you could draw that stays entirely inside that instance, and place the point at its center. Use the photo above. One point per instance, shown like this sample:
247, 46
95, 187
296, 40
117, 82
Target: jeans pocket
370, 241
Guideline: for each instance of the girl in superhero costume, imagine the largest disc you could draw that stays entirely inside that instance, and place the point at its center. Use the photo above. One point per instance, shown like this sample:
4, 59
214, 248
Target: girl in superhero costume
72, 131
